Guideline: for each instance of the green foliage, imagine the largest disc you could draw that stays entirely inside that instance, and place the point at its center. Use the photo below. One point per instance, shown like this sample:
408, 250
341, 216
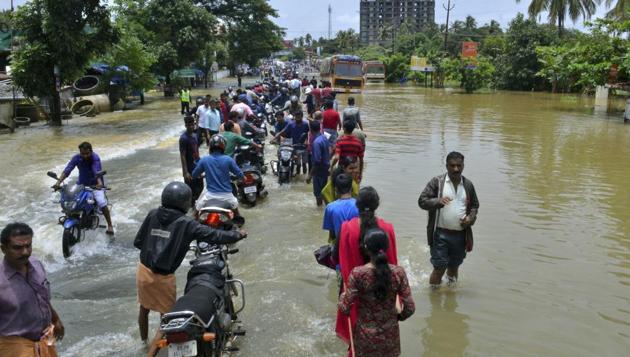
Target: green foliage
584, 63
396, 67
130, 51
66, 34
251, 34
298, 53
369, 53
558, 10
179, 32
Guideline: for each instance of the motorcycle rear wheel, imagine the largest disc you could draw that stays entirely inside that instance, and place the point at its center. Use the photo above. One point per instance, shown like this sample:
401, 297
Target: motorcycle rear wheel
71, 236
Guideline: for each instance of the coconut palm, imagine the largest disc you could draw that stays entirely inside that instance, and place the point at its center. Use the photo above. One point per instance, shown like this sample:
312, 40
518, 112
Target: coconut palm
559, 10
620, 10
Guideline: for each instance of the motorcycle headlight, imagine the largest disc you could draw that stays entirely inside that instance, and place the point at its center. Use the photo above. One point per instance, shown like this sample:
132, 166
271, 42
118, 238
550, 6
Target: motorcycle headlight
285, 155
67, 205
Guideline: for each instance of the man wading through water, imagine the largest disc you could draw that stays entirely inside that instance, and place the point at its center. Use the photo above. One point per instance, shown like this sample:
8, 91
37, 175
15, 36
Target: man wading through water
452, 204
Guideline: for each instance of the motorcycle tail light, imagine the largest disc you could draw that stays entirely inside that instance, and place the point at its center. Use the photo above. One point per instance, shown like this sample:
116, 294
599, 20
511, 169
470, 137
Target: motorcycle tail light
213, 220
249, 179
177, 337
209, 337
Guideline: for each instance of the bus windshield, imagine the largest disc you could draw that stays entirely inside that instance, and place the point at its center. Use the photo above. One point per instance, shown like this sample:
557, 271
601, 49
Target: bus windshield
375, 69
348, 69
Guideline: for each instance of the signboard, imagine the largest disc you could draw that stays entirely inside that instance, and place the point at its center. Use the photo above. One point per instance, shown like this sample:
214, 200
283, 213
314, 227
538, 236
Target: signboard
469, 49
419, 64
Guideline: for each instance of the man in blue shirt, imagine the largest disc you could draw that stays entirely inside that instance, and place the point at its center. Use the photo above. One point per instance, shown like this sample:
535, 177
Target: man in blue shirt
217, 166
341, 210
89, 163
297, 129
189, 155
320, 160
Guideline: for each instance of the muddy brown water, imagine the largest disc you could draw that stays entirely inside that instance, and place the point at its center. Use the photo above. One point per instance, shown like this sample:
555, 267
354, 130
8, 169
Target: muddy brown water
549, 276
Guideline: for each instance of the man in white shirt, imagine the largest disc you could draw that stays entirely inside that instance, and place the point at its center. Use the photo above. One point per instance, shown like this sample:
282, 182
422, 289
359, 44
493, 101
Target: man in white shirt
203, 121
453, 205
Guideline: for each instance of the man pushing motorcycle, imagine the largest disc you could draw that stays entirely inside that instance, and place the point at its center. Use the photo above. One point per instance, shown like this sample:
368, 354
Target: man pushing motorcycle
163, 240
89, 164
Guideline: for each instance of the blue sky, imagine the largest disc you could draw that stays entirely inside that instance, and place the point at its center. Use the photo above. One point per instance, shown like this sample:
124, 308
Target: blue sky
302, 16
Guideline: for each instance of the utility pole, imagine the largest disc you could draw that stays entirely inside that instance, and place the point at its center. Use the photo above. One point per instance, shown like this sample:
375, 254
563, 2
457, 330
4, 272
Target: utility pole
329, 21
12, 52
448, 9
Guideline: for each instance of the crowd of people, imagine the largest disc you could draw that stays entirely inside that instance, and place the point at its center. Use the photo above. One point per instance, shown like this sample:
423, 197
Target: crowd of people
374, 292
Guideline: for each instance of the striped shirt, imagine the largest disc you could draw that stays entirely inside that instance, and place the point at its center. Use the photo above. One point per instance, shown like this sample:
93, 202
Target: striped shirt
349, 145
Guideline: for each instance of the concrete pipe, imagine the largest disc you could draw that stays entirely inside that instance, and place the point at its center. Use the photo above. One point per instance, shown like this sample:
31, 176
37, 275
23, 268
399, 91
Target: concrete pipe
100, 103
87, 85
83, 107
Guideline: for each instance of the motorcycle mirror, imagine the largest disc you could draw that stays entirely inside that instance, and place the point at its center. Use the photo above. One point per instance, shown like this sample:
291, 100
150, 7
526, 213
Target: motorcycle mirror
52, 175
101, 173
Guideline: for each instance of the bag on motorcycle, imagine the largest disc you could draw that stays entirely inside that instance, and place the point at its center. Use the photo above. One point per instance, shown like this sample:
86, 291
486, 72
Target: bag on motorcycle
323, 255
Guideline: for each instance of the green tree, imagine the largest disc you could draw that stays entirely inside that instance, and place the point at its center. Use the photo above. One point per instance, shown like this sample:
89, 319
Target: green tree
251, 34
559, 10
61, 35
620, 10
518, 64
309, 40
179, 33
130, 51
396, 67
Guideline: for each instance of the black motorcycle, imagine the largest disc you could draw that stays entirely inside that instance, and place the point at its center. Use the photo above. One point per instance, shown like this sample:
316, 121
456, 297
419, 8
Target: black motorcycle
283, 167
204, 321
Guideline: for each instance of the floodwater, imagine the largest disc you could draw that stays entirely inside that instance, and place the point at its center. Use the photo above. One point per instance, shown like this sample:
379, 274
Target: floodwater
549, 276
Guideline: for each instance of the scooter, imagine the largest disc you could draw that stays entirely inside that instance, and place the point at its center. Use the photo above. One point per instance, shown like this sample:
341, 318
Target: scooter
251, 187
283, 167
80, 212
204, 322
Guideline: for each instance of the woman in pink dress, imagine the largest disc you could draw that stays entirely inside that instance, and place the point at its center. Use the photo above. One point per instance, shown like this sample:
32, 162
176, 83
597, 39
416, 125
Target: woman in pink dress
350, 254
377, 285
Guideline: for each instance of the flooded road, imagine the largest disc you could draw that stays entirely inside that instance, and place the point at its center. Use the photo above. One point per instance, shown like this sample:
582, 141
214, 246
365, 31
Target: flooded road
550, 273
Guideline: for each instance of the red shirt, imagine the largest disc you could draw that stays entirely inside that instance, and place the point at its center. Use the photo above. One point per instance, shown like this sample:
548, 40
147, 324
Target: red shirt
350, 257
349, 145
317, 94
326, 92
331, 119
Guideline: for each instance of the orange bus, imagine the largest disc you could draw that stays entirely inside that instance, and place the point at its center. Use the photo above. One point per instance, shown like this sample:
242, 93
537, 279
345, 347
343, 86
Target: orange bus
343, 72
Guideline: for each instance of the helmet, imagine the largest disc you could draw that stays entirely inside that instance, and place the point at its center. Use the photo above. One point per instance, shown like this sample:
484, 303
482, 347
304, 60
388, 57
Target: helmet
284, 90
217, 143
308, 90
294, 99
177, 195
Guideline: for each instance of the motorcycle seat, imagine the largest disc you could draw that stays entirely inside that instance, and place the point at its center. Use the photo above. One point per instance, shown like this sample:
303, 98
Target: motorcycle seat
199, 299
217, 203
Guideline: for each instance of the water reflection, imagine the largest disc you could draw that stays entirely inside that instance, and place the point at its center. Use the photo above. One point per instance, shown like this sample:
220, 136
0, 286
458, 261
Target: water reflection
446, 331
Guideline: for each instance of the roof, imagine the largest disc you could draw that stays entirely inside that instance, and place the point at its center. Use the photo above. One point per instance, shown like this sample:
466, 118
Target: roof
6, 91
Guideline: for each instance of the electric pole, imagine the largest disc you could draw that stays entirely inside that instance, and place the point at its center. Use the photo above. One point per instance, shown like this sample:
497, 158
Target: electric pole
448, 9
330, 21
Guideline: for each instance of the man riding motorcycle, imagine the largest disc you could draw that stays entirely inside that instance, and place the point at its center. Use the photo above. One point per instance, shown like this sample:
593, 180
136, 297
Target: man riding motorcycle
89, 163
292, 105
217, 166
163, 240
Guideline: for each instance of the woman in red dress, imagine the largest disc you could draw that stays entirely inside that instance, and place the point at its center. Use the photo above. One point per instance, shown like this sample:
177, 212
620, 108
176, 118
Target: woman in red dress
350, 255
377, 285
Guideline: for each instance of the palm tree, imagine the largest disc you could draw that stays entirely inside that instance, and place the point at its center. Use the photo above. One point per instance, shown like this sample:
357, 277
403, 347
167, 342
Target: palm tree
558, 10
309, 40
620, 10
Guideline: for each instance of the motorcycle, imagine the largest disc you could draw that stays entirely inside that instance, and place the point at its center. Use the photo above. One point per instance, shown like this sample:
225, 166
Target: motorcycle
251, 187
80, 212
283, 167
204, 321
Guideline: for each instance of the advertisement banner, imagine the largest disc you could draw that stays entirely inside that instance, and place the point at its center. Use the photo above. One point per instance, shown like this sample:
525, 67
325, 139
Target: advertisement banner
469, 49
420, 64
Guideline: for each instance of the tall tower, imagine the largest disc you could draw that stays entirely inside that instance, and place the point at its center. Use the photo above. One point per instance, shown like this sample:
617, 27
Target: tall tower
329, 21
